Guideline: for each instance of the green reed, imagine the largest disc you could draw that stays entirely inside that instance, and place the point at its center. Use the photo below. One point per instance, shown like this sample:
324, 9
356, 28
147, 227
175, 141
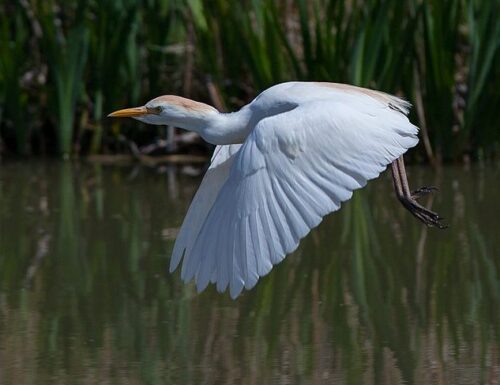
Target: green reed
13, 98
113, 54
442, 55
65, 48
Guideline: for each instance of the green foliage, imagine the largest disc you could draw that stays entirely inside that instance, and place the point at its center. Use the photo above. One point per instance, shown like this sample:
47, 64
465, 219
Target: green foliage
113, 40
65, 49
481, 120
13, 98
442, 55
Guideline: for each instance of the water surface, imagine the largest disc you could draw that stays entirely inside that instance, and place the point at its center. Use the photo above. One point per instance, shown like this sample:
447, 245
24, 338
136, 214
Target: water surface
370, 297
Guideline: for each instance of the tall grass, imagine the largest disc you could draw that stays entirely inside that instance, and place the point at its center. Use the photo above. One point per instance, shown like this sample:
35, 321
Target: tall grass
13, 99
442, 55
66, 51
114, 40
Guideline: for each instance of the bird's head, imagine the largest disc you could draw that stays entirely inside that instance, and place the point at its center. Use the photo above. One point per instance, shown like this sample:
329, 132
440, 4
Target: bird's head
167, 110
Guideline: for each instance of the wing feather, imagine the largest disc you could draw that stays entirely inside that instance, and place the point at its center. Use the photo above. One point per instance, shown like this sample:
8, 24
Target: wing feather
203, 200
293, 169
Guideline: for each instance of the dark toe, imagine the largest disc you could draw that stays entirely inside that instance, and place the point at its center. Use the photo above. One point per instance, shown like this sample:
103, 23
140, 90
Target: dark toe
423, 191
428, 217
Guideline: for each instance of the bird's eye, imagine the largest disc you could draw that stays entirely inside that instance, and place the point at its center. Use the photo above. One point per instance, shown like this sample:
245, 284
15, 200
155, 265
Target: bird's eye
155, 110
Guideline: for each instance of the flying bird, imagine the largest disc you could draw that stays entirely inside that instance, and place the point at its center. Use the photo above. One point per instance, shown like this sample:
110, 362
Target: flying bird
281, 163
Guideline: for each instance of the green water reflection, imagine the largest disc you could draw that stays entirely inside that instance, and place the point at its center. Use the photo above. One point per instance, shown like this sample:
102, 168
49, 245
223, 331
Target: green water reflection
370, 297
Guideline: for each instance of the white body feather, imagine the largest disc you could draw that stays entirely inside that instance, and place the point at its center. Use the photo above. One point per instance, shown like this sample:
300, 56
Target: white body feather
306, 147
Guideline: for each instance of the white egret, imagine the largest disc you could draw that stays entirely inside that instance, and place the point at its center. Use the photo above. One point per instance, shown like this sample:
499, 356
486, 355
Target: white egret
282, 163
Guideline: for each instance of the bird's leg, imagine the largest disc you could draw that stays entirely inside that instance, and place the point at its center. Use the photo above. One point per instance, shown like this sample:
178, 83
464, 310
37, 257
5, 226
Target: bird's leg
409, 199
418, 193
402, 191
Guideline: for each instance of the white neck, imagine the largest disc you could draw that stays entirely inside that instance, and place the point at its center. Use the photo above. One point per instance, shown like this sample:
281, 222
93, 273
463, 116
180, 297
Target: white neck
216, 127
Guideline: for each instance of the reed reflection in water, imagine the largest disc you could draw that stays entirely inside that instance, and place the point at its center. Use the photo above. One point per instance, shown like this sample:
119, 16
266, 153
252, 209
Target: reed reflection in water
370, 297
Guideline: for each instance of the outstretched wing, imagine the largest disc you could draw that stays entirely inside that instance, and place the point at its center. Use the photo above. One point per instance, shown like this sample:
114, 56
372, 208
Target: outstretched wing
292, 170
214, 179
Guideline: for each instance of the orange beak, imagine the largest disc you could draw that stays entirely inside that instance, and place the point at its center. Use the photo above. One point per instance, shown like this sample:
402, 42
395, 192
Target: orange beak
129, 112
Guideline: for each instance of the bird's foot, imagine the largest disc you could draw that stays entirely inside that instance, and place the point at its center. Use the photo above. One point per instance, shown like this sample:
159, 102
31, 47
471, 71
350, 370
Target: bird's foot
428, 217
422, 191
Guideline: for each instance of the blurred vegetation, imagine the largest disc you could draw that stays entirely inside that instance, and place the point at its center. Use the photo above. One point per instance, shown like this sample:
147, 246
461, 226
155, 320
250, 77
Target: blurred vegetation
370, 297
65, 65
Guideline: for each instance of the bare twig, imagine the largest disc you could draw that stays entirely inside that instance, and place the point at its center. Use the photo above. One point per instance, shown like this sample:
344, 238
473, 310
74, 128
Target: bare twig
215, 95
419, 106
